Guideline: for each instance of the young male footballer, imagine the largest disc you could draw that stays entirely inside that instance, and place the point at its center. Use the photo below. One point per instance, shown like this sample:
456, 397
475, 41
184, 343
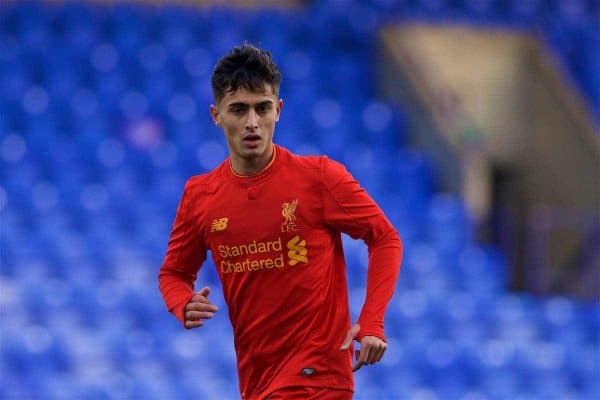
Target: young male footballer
273, 222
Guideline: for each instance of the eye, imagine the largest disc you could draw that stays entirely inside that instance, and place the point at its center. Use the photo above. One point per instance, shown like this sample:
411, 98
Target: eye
263, 108
237, 109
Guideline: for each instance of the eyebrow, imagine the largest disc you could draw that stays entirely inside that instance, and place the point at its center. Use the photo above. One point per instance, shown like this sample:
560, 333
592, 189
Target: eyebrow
261, 103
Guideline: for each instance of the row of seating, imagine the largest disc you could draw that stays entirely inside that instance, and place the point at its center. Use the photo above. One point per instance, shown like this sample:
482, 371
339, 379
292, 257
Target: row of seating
104, 117
148, 40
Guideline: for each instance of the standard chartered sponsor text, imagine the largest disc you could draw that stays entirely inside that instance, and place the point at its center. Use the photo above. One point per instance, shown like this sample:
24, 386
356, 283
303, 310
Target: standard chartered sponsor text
251, 248
232, 260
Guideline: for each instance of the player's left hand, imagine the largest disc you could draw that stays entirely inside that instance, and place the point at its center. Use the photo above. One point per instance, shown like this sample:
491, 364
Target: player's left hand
371, 350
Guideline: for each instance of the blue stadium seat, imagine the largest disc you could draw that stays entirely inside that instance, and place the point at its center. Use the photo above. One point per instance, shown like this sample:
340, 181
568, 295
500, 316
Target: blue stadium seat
103, 120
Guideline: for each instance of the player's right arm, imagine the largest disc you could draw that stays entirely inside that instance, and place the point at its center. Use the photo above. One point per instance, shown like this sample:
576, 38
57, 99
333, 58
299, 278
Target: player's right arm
185, 254
199, 309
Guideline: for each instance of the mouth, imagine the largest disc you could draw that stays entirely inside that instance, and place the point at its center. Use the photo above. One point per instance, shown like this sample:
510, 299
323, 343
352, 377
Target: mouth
251, 139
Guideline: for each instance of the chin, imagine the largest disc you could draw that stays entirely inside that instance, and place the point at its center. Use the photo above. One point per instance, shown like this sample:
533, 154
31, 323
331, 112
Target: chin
251, 153
259, 150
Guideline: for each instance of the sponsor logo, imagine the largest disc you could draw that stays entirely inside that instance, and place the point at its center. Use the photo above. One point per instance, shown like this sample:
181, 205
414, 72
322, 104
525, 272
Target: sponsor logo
253, 247
288, 211
256, 256
219, 224
297, 251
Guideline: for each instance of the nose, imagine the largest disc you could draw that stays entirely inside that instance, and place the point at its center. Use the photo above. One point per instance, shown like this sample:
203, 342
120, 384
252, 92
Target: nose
252, 121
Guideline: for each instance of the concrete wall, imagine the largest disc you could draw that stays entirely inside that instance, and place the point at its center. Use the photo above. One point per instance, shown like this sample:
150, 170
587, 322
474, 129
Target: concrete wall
495, 105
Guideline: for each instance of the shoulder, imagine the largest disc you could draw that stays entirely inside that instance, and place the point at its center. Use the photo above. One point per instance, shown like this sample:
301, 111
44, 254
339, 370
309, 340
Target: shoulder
321, 168
298, 161
321, 165
205, 183
332, 168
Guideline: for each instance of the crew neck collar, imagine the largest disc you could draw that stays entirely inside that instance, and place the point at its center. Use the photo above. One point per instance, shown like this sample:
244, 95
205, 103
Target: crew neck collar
273, 156
262, 175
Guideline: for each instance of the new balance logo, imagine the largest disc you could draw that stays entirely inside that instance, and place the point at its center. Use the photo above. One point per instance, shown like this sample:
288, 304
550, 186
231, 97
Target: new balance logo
297, 251
219, 224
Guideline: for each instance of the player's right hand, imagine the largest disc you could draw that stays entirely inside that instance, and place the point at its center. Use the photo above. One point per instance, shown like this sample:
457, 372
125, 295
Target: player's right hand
199, 309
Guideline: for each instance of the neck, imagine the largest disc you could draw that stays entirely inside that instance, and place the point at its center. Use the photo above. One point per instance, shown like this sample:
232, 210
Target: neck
252, 166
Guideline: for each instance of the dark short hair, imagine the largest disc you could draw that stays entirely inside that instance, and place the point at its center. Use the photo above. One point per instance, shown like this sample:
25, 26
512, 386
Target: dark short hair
245, 67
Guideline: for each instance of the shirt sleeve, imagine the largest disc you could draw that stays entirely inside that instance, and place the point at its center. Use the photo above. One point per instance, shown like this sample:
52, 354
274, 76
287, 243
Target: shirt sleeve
348, 208
185, 254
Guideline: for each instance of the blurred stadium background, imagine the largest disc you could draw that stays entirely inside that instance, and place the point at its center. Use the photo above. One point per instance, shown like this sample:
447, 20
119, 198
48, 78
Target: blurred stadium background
474, 124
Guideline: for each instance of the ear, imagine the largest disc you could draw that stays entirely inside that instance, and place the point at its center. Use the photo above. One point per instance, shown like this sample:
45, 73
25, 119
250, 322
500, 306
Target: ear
214, 113
278, 109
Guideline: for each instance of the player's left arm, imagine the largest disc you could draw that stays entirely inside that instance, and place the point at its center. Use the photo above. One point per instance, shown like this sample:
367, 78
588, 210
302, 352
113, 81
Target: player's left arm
371, 350
350, 209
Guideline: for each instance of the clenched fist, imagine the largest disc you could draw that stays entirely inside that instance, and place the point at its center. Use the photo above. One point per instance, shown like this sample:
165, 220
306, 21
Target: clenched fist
371, 350
199, 309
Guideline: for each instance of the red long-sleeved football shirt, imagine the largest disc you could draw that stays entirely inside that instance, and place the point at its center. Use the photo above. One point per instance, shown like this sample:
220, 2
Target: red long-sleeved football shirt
275, 239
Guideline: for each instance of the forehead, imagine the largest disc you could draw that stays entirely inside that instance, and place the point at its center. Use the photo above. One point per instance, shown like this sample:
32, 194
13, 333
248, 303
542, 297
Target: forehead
243, 95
